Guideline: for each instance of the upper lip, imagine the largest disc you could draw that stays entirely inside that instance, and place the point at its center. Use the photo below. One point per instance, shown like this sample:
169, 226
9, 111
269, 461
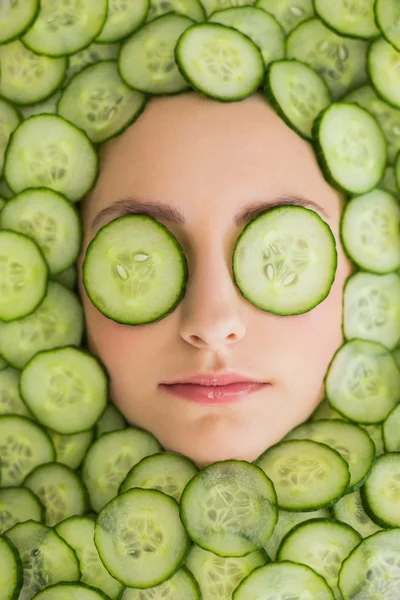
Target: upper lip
211, 379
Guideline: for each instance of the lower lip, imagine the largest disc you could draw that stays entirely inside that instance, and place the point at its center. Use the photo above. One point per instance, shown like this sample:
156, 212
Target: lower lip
213, 394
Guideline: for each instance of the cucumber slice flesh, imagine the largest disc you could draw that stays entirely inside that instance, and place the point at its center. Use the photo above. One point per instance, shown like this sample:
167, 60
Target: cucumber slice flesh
384, 71
387, 14
212, 5
72, 591
391, 431
354, 19
190, 8
11, 402
381, 492
350, 510
16, 17
123, 18
111, 420
181, 586
9, 121
289, 14
17, 505
71, 449
10, 569
90, 55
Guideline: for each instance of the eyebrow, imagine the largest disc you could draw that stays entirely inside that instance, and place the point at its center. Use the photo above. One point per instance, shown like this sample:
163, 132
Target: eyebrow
166, 212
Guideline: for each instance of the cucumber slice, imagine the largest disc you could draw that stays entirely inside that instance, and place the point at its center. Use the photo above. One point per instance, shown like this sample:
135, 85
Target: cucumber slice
341, 61
64, 27
384, 71
350, 510
283, 580
370, 231
24, 274
71, 591
166, 471
363, 382
17, 505
372, 569
288, 13
68, 278
229, 508
258, 25
306, 475
381, 492
140, 538
10, 118
354, 19
146, 61
16, 18
297, 93
375, 432
190, 8
218, 577
23, 446
212, 5
387, 13
47, 151
181, 586
391, 431
372, 308
325, 411
110, 459
51, 221
48, 106
78, 532
56, 323
111, 420
71, 449
322, 545
11, 402
99, 102
90, 55
66, 389
351, 148
123, 18
285, 260
11, 571
45, 556
127, 264
220, 61
351, 442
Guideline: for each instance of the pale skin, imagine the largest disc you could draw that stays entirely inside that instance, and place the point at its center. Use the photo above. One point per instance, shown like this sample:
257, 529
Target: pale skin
209, 160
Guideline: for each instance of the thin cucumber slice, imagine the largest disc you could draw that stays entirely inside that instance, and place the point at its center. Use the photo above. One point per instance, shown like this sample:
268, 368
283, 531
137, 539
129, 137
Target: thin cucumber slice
288, 13
351, 148
11, 570
127, 264
26, 77
45, 556
297, 93
17, 505
78, 532
286, 521
47, 151
99, 102
372, 569
11, 402
90, 55
24, 276
322, 545
363, 382
387, 116
371, 308
123, 18
66, 389
384, 71
140, 538
375, 432
60, 491
16, 18
229, 508
350, 510
391, 431
350, 441
370, 231
283, 580
111, 420
212, 5
306, 475
68, 278
51, 221
258, 25
65, 27
110, 459
381, 492
181, 586
71, 591
387, 13
71, 449
353, 19
10, 118
220, 62
388, 182
285, 260
190, 8
167, 472
48, 106
146, 61
325, 411
341, 61
218, 577
24, 445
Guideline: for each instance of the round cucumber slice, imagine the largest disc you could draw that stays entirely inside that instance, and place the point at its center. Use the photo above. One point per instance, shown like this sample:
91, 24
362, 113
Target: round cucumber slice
16, 17
11, 571
289, 14
181, 586
387, 13
285, 260
212, 5
351, 19
135, 271
190, 8
350, 510
384, 70
92, 54
72, 591
18, 504
381, 492
122, 19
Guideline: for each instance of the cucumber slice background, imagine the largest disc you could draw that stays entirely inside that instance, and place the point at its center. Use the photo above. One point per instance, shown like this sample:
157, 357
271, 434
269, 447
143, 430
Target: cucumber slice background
10, 570
289, 14
181, 586
350, 510
190, 8
391, 431
72, 591
383, 71
381, 492
17, 505
16, 17
387, 13
10, 118
122, 20
352, 19
11, 402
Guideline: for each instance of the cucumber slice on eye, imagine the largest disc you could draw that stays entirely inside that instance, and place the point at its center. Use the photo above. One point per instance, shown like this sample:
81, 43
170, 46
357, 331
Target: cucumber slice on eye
387, 14
355, 19
190, 8
220, 62
16, 17
11, 571
229, 508
127, 264
10, 118
384, 71
122, 19
381, 492
17, 505
350, 510
391, 431
181, 586
285, 260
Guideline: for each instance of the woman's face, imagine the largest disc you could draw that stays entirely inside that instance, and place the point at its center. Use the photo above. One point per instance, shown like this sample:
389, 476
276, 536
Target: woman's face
209, 161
